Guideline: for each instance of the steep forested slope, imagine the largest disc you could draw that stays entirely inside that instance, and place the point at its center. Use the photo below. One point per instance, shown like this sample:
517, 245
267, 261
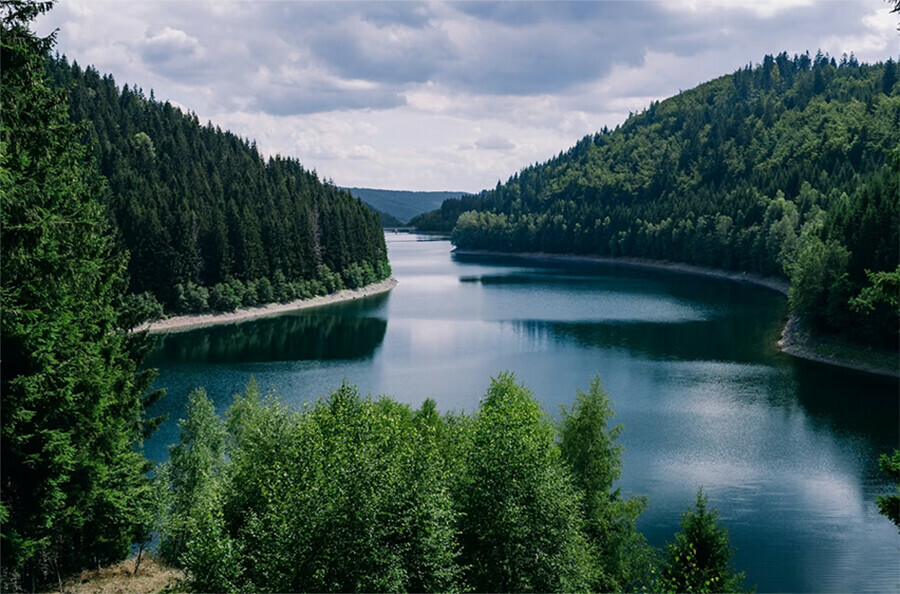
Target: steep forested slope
207, 221
788, 168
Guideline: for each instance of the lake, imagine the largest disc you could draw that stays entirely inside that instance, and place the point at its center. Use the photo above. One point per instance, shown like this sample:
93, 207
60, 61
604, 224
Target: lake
786, 449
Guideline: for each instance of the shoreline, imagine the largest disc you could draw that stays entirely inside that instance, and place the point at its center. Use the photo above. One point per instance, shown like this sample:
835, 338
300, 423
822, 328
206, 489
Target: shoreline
795, 341
774, 284
192, 321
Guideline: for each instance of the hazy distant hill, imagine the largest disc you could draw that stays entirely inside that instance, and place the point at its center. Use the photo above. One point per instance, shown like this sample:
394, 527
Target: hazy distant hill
402, 204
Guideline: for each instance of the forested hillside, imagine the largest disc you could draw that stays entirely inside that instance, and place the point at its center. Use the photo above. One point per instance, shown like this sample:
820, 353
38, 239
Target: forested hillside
208, 222
789, 168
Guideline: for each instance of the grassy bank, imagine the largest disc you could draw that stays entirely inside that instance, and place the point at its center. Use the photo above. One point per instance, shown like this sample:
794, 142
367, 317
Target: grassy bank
152, 576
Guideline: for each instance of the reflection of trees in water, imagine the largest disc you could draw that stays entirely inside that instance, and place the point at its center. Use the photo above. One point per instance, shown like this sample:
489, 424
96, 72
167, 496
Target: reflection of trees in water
855, 403
283, 338
847, 403
721, 339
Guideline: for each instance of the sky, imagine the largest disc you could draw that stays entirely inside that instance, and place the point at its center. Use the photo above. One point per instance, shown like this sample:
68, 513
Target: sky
442, 96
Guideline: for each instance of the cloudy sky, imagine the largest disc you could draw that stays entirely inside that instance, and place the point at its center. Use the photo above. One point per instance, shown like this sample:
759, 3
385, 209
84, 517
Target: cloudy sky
442, 96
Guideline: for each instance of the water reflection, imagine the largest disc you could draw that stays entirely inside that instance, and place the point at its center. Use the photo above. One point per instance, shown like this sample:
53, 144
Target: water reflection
290, 337
853, 404
712, 340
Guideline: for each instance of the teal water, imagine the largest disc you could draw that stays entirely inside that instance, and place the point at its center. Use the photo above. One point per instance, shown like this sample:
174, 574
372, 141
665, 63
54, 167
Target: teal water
786, 449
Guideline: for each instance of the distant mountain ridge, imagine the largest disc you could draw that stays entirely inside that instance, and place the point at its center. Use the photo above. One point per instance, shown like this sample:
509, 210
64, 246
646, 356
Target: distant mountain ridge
403, 205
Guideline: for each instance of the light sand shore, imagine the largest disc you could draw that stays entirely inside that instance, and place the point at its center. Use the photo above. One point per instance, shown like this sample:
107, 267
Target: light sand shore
794, 340
180, 323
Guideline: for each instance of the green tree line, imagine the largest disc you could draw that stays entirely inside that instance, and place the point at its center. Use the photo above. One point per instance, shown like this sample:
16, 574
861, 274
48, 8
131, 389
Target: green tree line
351, 494
788, 168
207, 221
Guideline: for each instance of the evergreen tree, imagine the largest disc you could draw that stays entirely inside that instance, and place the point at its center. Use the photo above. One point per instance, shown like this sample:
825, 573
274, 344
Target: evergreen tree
788, 169
72, 405
198, 206
700, 558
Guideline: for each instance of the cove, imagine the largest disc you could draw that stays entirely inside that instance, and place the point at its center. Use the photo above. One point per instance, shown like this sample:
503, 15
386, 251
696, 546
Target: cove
786, 449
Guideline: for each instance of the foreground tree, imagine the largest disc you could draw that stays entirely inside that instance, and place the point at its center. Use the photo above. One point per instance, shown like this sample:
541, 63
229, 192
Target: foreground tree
521, 521
72, 479
889, 505
589, 447
700, 558
345, 496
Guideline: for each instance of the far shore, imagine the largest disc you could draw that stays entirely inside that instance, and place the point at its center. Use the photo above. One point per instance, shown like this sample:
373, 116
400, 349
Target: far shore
794, 340
775, 284
189, 322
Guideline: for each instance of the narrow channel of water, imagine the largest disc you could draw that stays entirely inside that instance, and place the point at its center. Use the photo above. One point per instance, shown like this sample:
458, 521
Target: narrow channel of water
786, 449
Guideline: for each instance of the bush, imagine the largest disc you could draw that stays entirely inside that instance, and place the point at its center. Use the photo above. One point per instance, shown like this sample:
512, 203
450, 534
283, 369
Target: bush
383, 269
251, 295
238, 289
264, 291
223, 298
140, 308
191, 298
281, 288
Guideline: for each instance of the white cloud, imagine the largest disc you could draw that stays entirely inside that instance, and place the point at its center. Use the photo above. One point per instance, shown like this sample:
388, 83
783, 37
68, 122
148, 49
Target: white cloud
762, 8
433, 96
877, 41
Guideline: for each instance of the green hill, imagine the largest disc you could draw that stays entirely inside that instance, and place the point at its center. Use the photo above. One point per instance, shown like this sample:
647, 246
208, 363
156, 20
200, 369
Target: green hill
207, 221
401, 204
789, 168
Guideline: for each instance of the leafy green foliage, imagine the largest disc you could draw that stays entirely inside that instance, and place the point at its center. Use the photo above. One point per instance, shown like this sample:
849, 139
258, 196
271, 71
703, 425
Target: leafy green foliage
730, 175
352, 493
588, 446
521, 521
889, 505
204, 215
884, 288
700, 558
73, 483
192, 475
345, 496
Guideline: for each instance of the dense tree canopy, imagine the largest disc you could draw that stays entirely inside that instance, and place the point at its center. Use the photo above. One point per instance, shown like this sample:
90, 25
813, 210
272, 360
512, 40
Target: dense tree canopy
208, 222
73, 481
353, 493
787, 168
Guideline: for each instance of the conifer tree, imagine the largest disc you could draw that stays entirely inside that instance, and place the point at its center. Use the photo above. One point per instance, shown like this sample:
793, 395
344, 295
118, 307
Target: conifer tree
72, 405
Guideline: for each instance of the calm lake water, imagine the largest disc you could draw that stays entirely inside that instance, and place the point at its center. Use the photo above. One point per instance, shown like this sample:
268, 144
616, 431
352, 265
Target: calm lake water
786, 449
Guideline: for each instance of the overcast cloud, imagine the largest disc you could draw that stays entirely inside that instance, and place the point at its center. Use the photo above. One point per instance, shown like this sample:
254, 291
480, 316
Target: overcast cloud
442, 96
